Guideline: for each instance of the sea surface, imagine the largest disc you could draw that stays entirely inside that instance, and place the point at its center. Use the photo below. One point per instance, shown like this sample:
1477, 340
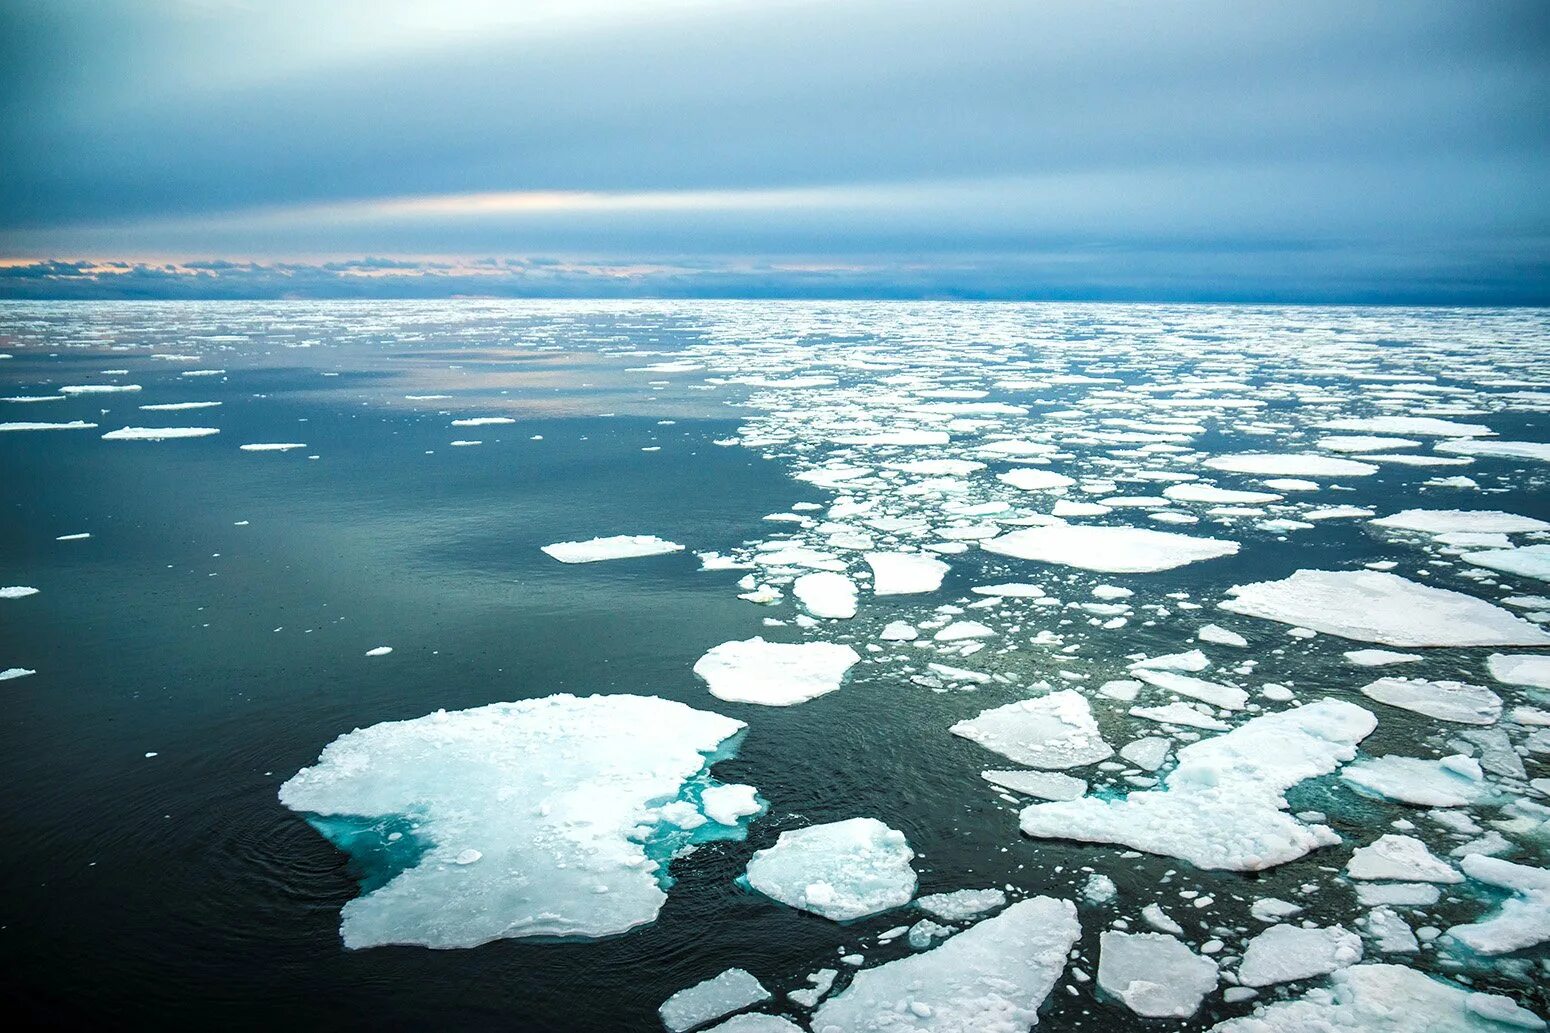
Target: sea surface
209, 638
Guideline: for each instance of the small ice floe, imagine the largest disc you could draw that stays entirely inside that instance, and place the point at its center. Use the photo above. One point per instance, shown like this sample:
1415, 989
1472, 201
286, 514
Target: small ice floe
1192, 661
899, 631
1445, 700
1041, 785
379, 650
482, 421
205, 373
826, 594
727, 804
272, 446
33, 398
1523, 919
1400, 858
15, 672
618, 547
1147, 752
17, 591
72, 425
1529, 561
1184, 714
79, 537
1283, 464
178, 406
1450, 782
774, 674
1284, 953
553, 792
1387, 999
961, 905
1218, 635
1422, 426
1539, 450
1035, 480
1154, 974
905, 573
1109, 549
1212, 495
1379, 657
1054, 731
994, 975
732, 990
1223, 804
842, 870
1454, 521
1390, 933
1375, 606
1523, 669
1226, 697
97, 389
464, 443
158, 433
1364, 443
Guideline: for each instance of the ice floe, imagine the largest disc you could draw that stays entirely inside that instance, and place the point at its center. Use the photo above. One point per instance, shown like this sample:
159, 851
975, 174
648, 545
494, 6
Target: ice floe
1444, 700
1402, 858
1154, 974
842, 870
1283, 953
1523, 919
618, 547
826, 594
158, 433
903, 573
774, 674
732, 990
1114, 550
1054, 731
1450, 782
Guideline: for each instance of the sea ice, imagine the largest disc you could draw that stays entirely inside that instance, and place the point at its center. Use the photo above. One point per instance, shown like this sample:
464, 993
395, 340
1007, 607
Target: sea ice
1529, 561
1523, 669
619, 547
990, 978
1523, 919
1045, 785
904, 573
756, 1022
774, 674
1539, 450
842, 870
1425, 426
961, 905
1222, 805
1379, 657
17, 591
72, 425
1404, 858
1444, 700
1053, 731
272, 446
1110, 549
1450, 782
556, 794
826, 594
696, 1005
1375, 606
1450, 521
1283, 953
1223, 696
1154, 974
1035, 480
1290, 465
158, 433
1218, 635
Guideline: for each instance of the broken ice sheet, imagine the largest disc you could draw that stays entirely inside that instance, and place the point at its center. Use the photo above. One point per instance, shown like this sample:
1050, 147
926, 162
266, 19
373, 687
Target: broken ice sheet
774, 674
841, 870
618, 547
534, 818
1053, 731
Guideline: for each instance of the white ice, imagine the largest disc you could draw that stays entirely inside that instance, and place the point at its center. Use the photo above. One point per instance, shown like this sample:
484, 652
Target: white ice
1529, 561
1445, 700
1110, 549
1449, 521
696, 1005
158, 433
1522, 669
826, 594
1054, 731
1523, 919
774, 674
1283, 953
1154, 974
842, 870
961, 905
618, 547
1450, 782
904, 573
1403, 858
1290, 465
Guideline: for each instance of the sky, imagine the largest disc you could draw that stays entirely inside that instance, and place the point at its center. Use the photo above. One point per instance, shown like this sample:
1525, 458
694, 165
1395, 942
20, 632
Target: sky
1308, 151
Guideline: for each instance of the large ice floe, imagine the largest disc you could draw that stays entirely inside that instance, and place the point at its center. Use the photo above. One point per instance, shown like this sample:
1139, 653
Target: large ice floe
1222, 806
618, 547
1113, 550
842, 870
990, 978
774, 674
545, 817
1376, 606
1387, 999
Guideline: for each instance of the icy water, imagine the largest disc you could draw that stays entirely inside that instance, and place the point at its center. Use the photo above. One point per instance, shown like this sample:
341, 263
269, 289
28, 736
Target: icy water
209, 639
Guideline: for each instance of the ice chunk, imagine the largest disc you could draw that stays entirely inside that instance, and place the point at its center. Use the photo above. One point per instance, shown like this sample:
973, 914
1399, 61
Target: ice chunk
1194, 660
842, 870
826, 594
1450, 782
1449, 521
1283, 464
1186, 714
15, 672
1385, 999
379, 650
1379, 657
1425, 426
1154, 974
552, 792
1046, 785
1523, 669
1222, 805
725, 804
1054, 731
904, 573
1529, 561
1374, 606
1391, 932
1035, 480
1539, 450
619, 547
1404, 858
899, 631
774, 674
990, 978
1221, 636
1224, 696
1146, 753
272, 446
696, 1005
72, 425
1114, 550
483, 421
1444, 700
158, 433
756, 1022
1158, 919
17, 591
962, 905
1522, 921
1212, 495
1283, 953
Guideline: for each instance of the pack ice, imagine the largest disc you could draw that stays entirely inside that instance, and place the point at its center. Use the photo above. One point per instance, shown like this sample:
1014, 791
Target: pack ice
991, 978
1223, 806
1375, 606
544, 817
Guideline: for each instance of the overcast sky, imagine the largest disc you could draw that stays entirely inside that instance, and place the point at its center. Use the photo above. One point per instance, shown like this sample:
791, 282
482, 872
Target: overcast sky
1342, 151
